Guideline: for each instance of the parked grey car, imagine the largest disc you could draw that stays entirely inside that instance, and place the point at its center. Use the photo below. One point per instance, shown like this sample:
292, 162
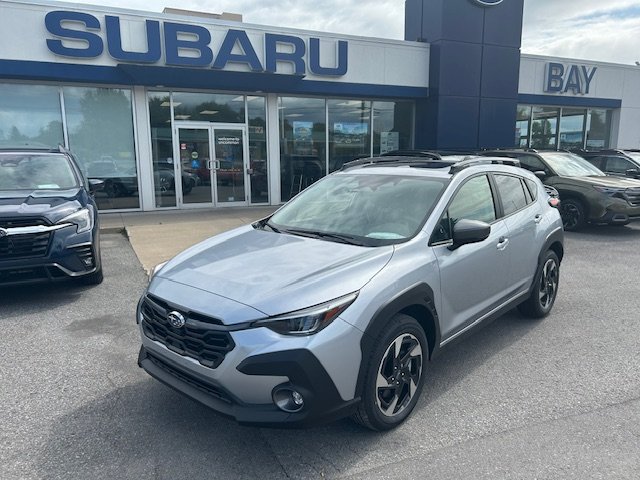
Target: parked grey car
334, 305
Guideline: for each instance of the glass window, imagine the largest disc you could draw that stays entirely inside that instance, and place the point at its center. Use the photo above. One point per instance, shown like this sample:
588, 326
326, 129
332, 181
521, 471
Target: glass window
572, 125
619, 165
570, 165
100, 128
473, 201
533, 188
30, 114
302, 143
532, 163
522, 125
598, 128
597, 162
36, 172
392, 126
162, 149
208, 107
367, 209
544, 127
349, 131
511, 192
259, 166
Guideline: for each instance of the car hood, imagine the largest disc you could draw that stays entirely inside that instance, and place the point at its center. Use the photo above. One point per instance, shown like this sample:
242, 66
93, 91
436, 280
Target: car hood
275, 273
50, 204
613, 182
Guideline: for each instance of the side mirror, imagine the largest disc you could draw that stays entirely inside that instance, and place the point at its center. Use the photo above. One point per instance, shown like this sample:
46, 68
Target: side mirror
633, 172
541, 174
469, 231
95, 185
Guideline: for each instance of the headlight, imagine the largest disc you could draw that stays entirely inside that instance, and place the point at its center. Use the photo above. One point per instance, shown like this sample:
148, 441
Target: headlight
156, 269
83, 219
310, 320
611, 191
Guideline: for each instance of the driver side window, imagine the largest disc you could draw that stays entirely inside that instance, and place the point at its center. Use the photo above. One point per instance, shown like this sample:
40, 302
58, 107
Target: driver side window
473, 201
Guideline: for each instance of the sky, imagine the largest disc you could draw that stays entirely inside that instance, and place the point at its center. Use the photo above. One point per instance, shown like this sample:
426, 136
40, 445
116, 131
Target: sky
597, 30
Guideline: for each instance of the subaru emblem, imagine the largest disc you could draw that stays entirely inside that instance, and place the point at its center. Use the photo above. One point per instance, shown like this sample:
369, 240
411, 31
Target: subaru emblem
176, 319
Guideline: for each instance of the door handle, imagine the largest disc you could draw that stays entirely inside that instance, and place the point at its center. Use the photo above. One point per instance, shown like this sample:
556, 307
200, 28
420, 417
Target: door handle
502, 243
537, 218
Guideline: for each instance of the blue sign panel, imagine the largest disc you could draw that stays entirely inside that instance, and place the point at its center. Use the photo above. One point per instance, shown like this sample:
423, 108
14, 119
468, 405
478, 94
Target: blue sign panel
179, 38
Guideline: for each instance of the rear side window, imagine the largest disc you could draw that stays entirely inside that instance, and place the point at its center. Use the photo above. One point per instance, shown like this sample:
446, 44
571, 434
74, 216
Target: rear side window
533, 188
531, 163
618, 165
512, 193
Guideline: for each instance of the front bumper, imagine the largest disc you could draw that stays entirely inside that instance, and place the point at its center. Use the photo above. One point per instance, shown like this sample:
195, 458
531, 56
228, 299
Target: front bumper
616, 211
68, 254
305, 374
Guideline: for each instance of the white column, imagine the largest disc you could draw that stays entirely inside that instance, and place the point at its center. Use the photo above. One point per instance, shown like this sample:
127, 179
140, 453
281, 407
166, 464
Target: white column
142, 131
273, 149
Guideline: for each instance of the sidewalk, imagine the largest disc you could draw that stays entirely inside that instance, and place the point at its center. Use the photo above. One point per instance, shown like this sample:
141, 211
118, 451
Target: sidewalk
158, 236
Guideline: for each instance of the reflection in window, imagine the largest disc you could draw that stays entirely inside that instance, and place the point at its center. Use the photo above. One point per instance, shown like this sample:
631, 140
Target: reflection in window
512, 193
162, 149
572, 128
598, 128
544, 127
473, 201
208, 107
349, 131
30, 114
302, 143
392, 126
100, 128
522, 125
258, 164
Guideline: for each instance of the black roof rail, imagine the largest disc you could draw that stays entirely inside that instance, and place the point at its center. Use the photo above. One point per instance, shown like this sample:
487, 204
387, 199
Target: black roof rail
459, 166
424, 162
412, 153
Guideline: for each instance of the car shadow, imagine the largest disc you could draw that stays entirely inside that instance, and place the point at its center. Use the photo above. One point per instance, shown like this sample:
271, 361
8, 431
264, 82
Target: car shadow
605, 233
36, 297
146, 429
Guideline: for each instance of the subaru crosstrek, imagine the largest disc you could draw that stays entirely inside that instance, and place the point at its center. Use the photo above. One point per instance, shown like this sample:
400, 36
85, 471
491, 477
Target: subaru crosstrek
48, 219
334, 305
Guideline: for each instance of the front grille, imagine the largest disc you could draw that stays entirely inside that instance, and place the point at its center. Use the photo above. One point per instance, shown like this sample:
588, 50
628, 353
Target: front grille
207, 345
633, 196
15, 222
29, 245
189, 379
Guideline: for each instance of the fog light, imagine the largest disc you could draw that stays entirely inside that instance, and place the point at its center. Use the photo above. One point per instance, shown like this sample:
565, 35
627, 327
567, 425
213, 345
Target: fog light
88, 261
288, 400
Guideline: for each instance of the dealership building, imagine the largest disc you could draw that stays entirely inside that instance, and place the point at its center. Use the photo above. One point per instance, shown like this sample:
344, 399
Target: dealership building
185, 110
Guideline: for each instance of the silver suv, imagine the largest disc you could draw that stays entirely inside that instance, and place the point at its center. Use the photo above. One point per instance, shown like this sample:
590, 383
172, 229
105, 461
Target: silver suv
334, 305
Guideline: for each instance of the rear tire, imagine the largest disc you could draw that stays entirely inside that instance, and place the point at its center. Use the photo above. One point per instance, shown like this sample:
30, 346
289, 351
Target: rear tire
545, 288
394, 376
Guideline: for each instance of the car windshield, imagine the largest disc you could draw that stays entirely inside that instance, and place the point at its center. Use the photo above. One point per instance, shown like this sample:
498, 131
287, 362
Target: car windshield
634, 155
569, 165
362, 209
35, 171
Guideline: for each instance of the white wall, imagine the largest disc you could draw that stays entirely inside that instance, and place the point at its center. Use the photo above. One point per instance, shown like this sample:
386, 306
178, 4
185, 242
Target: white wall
611, 81
371, 61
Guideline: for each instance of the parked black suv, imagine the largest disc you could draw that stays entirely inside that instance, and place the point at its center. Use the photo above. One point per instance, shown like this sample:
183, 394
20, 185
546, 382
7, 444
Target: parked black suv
587, 195
619, 163
48, 219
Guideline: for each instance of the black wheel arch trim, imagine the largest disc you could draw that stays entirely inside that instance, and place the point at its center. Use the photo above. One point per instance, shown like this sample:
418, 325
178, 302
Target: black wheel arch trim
412, 301
555, 242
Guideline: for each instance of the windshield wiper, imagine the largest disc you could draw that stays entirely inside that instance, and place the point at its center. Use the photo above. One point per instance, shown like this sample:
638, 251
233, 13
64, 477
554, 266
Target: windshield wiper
262, 224
330, 236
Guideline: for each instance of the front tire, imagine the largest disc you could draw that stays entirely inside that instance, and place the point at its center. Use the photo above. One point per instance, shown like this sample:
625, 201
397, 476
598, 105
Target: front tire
394, 376
545, 288
573, 214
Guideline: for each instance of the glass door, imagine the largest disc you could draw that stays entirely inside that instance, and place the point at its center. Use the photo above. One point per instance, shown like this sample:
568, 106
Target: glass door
230, 165
194, 166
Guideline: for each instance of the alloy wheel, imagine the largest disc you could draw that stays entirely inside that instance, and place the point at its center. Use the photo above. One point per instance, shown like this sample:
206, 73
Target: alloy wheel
571, 216
399, 374
548, 284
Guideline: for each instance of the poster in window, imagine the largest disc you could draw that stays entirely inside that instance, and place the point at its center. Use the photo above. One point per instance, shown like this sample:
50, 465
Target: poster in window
350, 134
303, 138
389, 141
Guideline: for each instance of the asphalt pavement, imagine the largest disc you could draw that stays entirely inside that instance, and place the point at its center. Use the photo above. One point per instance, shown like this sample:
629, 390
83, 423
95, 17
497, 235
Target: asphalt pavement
557, 398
